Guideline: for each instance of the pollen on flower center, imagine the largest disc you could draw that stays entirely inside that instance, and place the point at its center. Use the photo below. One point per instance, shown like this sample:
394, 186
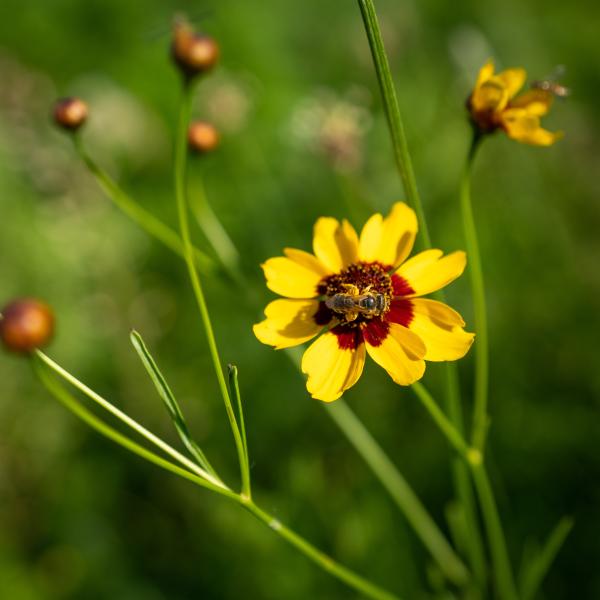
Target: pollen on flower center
357, 279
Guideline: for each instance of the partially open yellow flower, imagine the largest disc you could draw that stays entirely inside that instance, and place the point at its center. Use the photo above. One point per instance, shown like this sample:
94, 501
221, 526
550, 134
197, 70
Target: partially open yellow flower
363, 296
493, 105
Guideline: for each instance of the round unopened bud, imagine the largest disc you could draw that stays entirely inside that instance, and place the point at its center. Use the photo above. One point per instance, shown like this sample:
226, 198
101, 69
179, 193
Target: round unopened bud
70, 113
194, 53
26, 324
203, 137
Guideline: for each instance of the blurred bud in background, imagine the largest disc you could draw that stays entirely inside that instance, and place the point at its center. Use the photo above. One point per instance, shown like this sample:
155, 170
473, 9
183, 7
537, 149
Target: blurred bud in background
202, 137
70, 113
194, 53
26, 324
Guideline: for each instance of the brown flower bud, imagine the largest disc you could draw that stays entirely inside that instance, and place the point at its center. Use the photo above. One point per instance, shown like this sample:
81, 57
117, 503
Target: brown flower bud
203, 137
70, 113
26, 324
193, 52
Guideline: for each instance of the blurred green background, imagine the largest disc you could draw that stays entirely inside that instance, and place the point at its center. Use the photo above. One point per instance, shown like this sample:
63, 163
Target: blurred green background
303, 136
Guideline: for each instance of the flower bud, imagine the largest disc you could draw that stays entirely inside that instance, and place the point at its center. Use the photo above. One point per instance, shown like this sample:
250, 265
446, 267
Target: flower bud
70, 113
26, 324
193, 52
202, 137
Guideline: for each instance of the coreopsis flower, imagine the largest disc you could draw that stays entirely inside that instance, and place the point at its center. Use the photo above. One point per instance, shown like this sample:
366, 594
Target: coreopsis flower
361, 296
26, 324
494, 105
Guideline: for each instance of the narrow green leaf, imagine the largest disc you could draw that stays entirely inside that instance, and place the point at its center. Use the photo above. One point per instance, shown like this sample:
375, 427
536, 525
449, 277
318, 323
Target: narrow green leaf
166, 395
235, 390
536, 569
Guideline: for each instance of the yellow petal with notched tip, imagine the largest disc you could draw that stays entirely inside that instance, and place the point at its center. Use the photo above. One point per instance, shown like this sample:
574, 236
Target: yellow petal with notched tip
400, 354
335, 244
429, 271
441, 329
290, 278
331, 370
288, 323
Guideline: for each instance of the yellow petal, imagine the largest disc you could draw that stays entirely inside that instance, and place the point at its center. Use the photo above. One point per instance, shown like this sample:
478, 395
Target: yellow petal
330, 369
441, 329
525, 128
536, 102
400, 354
288, 323
335, 244
290, 278
486, 72
307, 260
389, 240
370, 238
512, 80
490, 97
428, 271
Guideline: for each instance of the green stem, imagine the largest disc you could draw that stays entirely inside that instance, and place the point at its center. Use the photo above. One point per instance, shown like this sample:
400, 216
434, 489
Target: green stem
215, 232
502, 570
72, 404
474, 459
400, 491
441, 420
323, 560
480, 418
392, 113
319, 558
145, 220
188, 252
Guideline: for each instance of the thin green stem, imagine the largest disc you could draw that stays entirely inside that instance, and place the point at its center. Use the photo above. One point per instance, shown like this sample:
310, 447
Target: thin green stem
188, 252
234, 386
392, 113
139, 215
198, 475
400, 491
214, 231
441, 420
323, 560
474, 459
502, 569
480, 418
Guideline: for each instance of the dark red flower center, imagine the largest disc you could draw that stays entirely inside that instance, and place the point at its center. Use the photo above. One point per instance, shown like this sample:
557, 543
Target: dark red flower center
361, 279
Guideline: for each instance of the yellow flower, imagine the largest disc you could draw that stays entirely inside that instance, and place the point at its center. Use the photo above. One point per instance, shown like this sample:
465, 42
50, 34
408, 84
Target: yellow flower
493, 105
363, 297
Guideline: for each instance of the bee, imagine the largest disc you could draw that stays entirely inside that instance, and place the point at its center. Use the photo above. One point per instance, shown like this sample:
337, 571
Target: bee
354, 303
551, 84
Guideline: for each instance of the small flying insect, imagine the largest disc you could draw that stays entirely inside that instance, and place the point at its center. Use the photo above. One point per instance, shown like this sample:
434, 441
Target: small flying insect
371, 304
551, 84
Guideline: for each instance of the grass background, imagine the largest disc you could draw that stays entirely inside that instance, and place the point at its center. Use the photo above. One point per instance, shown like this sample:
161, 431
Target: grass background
79, 518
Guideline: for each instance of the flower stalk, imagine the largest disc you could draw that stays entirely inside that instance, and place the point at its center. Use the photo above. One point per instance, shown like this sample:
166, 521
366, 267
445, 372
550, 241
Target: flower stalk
475, 269
188, 252
392, 113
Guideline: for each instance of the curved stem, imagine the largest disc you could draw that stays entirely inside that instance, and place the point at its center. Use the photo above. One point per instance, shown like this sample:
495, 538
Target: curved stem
72, 404
188, 252
392, 113
321, 559
139, 215
324, 561
127, 420
480, 418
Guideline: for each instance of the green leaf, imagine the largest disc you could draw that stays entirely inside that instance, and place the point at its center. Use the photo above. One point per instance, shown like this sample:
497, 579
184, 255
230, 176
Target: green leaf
536, 568
166, 395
